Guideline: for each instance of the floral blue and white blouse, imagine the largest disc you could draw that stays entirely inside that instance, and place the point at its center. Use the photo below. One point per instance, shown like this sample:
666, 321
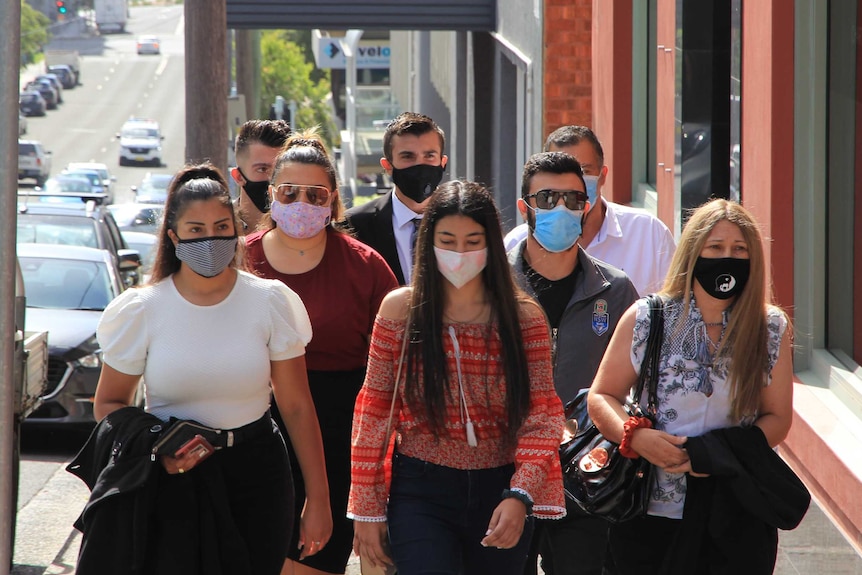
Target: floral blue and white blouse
693, 393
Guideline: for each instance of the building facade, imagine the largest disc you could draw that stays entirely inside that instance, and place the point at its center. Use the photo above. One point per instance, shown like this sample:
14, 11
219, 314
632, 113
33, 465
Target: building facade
756, 101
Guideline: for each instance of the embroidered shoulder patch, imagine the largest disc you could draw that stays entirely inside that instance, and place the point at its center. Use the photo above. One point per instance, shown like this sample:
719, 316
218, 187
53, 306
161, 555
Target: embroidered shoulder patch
601, 322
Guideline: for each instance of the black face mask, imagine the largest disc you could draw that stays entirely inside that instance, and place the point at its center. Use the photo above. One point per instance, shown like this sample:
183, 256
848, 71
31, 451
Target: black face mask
417, 182
722, 278
258, 192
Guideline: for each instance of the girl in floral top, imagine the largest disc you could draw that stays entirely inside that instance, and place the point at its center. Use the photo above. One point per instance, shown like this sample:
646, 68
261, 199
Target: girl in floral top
725, 362
477, 421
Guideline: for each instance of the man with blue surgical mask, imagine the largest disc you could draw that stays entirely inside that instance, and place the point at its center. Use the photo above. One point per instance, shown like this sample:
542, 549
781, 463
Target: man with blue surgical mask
584, 299
629, 238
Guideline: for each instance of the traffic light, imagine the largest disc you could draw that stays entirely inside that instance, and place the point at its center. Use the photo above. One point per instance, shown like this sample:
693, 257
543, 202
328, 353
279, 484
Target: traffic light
61, 7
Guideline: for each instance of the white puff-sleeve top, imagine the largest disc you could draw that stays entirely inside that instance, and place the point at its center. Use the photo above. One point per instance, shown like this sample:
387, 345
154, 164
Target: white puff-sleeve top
210, 364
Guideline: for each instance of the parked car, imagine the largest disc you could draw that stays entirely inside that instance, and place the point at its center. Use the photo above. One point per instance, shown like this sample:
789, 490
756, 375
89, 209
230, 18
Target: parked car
153, 188
31, 103
34, 161
22, 124
107, 179
81, 223
138, 217
66, 74
55, 82
48, 92
140, 142
148, 45
95, 179
145, 243
66, 184
67, 289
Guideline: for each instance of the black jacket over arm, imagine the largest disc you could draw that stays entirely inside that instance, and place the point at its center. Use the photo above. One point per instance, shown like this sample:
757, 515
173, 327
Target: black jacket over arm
730, 518
130, 493
371, 223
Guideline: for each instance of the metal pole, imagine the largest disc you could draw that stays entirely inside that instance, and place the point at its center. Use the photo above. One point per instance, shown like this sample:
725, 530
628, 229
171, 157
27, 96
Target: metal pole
348, 46
10, 61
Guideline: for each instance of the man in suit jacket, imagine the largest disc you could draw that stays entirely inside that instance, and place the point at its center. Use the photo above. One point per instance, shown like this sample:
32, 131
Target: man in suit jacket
413, 156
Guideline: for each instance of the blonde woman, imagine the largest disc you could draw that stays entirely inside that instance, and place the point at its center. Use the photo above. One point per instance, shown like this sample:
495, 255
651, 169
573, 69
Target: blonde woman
725, 365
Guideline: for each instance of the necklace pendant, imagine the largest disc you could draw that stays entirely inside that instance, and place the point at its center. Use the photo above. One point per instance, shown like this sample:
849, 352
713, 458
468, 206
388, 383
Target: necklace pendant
302, 252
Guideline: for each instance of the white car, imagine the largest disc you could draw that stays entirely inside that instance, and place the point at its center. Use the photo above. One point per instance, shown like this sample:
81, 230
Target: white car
34, 161
140, 143
148, 45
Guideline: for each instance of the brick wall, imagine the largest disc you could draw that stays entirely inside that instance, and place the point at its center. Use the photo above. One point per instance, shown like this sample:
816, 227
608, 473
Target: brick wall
567, 64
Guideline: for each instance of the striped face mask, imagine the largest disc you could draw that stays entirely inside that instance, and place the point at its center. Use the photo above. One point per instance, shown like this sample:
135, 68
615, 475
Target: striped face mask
207, 257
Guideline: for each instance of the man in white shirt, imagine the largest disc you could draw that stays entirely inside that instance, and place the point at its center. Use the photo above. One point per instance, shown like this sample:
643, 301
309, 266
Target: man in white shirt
413, 156
628, 238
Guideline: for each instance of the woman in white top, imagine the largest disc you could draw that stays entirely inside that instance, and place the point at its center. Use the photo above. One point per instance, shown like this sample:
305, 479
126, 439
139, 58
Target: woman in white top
725, 362
211, 341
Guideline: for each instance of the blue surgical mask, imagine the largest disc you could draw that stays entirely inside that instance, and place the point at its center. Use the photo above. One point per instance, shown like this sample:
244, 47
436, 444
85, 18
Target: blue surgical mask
592, 183
556, 229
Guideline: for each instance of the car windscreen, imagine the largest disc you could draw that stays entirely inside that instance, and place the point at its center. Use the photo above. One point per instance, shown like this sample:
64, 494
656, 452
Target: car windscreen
140, 133
65, 284
57, 229
68, 186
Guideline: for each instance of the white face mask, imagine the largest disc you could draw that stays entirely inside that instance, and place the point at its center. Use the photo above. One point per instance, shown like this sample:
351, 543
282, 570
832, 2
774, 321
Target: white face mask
460, 267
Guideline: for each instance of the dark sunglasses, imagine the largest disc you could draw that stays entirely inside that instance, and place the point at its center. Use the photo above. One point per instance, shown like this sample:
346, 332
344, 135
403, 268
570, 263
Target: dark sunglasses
575, 200
289, 193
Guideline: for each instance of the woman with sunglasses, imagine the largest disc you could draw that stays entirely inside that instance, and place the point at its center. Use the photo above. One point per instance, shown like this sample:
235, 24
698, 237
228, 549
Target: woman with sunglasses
460, 369
342, 282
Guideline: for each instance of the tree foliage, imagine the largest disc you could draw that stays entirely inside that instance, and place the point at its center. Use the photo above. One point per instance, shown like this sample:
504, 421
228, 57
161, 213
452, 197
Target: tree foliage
286, 71
34, 32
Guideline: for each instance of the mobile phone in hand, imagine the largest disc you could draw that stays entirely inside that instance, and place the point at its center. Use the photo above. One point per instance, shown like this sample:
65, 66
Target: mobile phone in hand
197, 447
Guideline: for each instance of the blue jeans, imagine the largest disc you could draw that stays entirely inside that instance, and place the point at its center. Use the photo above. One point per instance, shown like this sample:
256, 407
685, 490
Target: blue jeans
438, 516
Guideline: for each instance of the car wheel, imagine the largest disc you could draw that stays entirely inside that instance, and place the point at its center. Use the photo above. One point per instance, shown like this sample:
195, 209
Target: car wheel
40, 181
123, 161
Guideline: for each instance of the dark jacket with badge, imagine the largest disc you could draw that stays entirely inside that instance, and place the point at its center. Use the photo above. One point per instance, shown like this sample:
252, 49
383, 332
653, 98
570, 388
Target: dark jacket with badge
601, 294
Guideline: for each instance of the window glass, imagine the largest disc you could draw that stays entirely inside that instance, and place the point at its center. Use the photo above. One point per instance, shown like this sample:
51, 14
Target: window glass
844, 177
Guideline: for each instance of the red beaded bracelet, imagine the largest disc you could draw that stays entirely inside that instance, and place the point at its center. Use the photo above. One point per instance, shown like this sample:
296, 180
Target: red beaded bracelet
628, 430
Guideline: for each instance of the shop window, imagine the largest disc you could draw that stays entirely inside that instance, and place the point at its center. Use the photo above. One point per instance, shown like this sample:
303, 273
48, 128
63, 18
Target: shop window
844, 184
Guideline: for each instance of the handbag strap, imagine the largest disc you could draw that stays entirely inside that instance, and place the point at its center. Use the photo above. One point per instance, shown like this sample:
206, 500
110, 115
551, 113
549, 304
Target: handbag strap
648, 376
394, 394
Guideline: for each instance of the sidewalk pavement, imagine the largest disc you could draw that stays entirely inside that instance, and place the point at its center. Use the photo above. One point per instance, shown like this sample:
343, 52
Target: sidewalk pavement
46, 543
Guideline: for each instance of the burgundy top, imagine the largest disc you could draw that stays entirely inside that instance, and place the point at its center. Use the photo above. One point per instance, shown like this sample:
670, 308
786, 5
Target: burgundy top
342, 295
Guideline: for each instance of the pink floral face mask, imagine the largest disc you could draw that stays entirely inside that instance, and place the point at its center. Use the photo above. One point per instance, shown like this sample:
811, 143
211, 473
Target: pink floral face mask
300, 220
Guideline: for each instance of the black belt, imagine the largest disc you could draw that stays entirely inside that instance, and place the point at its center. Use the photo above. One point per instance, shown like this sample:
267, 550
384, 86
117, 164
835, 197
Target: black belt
255, 429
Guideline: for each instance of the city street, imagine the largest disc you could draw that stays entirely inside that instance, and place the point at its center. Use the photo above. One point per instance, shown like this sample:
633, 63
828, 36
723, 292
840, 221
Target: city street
117, 84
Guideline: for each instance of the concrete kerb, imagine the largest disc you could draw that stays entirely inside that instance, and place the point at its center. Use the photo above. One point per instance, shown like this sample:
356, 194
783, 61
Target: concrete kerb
44, 525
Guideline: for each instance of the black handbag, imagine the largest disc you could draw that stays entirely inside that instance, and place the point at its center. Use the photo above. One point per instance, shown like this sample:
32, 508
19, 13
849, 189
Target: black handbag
597, 479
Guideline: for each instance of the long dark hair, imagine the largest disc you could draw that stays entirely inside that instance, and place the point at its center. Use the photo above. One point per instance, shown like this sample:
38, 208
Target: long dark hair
425, 318
192, 183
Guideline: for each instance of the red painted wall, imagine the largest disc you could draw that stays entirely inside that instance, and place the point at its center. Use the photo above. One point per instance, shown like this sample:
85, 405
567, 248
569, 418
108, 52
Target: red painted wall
767, 133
